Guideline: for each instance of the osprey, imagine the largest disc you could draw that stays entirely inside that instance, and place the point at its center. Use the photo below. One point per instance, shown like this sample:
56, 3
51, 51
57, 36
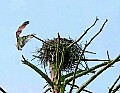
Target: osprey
21, 28
21, 41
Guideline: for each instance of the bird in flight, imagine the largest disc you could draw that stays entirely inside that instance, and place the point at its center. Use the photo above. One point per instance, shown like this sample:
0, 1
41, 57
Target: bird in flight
21, 41
21, 28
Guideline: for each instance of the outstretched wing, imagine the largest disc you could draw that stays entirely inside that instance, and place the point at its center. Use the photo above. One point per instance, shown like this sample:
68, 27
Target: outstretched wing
23, 40
21, 28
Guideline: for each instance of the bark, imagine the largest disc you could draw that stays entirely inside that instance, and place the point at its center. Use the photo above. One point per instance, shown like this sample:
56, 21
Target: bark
54, 79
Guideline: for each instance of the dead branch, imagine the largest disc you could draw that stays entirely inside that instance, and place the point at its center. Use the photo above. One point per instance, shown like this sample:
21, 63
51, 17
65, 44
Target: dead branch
84, 33
1, 89
37, 70
111, 90
108, 55
86, 45
116, 88
97, 74
81, 73
40, 39
83, 90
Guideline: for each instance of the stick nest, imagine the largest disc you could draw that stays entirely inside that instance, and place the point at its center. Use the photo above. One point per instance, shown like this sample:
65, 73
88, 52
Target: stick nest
48, 53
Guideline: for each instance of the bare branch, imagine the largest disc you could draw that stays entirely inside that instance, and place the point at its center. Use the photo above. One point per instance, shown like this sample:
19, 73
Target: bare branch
83, 90
97, 33
40, 40
87, 91
84, 33
108, 55
81, 73
37, 70
46, 90
88, 60
90, 52
112, 87
97, 74
86, 45
116, 88
1, 89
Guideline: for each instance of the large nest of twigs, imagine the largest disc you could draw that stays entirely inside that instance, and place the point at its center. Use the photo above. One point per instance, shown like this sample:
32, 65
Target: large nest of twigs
47, 53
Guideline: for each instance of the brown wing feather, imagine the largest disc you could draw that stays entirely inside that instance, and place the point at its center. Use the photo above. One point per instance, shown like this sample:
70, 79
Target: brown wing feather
21, 28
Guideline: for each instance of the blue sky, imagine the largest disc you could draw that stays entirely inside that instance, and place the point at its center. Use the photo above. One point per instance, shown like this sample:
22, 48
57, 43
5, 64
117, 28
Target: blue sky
47, 18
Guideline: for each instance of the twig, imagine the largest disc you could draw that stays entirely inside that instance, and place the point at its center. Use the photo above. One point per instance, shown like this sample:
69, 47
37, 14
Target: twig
90, 52
81, 73
97, 33
97, 74
46, 90
83, 90
116, 88
108, 55
1, 89
112, 87
58, 60
38, 38
74, 85
46, 85
86, 45
38, 71
94, 60
84, 33
41, 40
87, 91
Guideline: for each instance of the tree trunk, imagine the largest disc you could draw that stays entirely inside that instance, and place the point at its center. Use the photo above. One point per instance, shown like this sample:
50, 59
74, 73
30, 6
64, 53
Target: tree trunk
54, 79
